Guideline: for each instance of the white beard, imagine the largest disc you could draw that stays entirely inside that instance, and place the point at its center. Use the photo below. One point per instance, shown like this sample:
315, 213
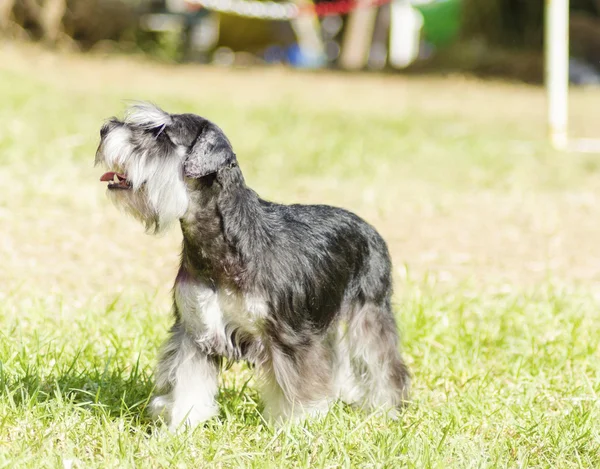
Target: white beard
158, 194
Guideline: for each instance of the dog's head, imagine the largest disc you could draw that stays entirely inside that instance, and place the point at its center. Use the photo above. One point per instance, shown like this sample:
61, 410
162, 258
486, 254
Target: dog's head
150, 157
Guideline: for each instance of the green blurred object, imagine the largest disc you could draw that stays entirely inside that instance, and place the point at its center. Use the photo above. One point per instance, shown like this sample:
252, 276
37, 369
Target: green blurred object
441, 20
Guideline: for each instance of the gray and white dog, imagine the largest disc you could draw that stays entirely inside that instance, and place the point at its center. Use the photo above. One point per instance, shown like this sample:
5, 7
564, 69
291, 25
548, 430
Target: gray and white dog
300, 291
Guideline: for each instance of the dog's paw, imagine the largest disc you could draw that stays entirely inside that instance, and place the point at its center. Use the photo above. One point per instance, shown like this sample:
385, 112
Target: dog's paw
181, 415
279, 416
160, 407
186, 416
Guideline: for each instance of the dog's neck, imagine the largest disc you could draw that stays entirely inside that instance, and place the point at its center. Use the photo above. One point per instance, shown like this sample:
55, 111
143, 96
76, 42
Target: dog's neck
223, 228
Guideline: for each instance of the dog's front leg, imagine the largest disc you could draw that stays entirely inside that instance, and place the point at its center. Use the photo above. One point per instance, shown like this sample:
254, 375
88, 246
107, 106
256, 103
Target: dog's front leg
186, 379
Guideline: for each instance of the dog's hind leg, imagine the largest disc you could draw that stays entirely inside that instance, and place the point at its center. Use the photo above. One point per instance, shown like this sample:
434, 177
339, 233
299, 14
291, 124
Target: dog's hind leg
188, 378
381, 379
297, 382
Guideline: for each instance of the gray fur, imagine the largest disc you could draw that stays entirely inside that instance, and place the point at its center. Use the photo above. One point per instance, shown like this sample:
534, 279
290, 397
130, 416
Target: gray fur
301, 291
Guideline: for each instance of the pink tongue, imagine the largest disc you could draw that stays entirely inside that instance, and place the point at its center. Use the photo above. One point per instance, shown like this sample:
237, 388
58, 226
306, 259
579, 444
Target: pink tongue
111, 175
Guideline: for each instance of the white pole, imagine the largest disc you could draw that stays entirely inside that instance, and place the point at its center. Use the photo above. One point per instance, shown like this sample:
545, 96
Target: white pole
358, 36
557, 70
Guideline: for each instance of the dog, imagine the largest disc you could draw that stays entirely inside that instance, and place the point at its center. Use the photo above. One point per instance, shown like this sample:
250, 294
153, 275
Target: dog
301, 292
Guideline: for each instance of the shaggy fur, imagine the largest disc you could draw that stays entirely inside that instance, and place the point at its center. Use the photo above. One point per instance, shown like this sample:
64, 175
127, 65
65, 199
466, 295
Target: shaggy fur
301, 291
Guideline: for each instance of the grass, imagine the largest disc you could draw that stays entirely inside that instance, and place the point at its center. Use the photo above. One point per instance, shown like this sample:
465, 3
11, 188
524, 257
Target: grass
493, 235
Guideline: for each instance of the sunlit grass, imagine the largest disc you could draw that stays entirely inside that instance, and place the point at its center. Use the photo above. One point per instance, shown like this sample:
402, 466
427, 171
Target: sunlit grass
493, 235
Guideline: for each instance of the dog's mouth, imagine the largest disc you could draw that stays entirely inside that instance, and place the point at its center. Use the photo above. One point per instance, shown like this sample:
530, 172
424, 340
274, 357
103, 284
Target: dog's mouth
116, 180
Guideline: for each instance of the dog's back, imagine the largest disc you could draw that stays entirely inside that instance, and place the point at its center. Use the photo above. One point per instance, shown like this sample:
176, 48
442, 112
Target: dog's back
302, 291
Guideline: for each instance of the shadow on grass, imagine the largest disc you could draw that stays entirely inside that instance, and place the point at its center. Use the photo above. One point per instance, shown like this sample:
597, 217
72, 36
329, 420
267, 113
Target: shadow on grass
108, 392
112, 393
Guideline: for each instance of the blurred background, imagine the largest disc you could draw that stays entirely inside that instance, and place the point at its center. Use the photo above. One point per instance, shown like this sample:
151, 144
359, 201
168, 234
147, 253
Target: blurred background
427, 118
501, 38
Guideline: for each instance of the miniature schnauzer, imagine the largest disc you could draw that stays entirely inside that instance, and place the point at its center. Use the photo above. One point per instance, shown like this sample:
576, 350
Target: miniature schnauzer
300, 291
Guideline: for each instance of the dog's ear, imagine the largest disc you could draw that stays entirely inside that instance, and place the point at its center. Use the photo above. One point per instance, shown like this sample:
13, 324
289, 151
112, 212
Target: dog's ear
210, 152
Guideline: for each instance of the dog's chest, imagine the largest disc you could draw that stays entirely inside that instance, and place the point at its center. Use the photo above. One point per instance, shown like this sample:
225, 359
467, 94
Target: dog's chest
209, 313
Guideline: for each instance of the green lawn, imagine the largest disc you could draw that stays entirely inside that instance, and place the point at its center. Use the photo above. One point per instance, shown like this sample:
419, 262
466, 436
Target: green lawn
495, 240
